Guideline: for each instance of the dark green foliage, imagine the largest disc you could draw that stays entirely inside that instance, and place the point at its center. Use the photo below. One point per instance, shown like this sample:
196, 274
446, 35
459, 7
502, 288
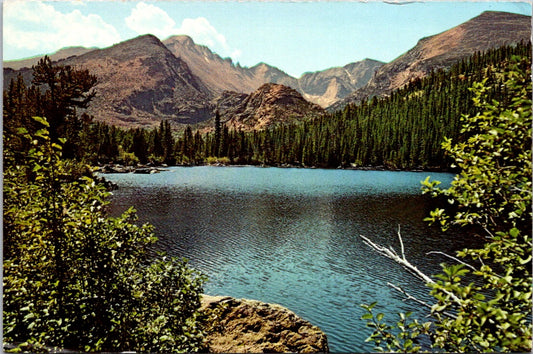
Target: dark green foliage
404, 130
495, 156
403, 336
493, 193
63, 90
56, 92
76, 279
216, 148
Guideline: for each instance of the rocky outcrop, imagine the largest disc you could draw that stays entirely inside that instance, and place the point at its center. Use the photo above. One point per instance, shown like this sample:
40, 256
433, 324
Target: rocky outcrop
140, 169
249, 326
269, 105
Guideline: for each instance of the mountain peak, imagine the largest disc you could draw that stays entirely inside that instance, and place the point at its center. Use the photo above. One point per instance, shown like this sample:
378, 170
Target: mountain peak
141, 41
491, 14
142, 82
260, 65
180, 38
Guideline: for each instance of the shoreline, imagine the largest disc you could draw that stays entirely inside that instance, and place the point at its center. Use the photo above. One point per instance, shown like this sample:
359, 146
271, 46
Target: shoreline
151, 169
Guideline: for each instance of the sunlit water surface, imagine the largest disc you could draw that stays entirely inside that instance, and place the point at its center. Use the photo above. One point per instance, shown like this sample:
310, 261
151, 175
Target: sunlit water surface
291, 236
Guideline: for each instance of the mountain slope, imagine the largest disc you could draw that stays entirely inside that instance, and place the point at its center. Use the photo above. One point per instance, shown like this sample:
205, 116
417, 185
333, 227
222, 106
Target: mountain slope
218, 74
59, 55
221, 74
269, 105
488, 30
140, 83
322, 87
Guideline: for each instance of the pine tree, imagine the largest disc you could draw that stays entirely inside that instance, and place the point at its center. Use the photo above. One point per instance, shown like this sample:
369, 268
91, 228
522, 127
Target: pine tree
65, 89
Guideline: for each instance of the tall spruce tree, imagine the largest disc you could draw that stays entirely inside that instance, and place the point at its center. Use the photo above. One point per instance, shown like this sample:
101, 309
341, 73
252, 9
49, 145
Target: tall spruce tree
64, 89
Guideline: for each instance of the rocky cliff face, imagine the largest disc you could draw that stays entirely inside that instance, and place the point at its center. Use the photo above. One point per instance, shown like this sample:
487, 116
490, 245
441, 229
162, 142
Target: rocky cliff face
248, 326
141, 82
269, 105
329, 86
217, 73
441, 51
321, 87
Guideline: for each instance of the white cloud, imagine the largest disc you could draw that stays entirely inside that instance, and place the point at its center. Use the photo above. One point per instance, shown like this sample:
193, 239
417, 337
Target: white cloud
236, 53
202, 32
148, 18
36, 26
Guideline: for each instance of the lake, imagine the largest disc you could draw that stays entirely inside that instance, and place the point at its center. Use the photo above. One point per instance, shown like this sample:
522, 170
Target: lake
291, 236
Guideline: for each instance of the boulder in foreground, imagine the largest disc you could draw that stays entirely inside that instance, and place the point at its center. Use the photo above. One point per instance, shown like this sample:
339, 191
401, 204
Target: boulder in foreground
249, 326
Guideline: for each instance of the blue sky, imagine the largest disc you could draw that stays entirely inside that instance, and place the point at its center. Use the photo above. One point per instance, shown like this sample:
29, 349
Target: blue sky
296, 37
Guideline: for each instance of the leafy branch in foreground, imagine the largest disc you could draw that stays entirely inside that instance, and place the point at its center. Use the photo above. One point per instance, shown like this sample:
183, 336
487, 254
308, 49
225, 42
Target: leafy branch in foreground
492, 193
402, 336
77, 279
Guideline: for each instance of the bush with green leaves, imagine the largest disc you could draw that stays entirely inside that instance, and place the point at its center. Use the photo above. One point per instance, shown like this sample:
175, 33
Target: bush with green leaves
75, 278
492, 311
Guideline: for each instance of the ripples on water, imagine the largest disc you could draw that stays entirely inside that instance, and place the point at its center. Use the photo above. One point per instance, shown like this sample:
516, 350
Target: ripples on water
290, 236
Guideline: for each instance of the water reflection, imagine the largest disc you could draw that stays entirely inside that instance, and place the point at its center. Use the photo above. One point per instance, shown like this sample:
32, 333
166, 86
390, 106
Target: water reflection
290, 236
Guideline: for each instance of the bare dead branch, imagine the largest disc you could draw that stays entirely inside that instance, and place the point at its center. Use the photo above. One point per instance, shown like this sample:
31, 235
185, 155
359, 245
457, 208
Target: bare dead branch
391, 254
454, 258
401, 242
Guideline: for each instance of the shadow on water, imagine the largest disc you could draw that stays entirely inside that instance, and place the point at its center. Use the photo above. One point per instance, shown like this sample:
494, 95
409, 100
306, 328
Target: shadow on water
291, 236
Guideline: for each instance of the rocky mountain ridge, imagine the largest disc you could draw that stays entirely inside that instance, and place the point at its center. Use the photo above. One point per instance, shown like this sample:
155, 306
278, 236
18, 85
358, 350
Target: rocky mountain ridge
141, 81
144, 80
441, 51
59, 55
321, 87
221, 74
329, 86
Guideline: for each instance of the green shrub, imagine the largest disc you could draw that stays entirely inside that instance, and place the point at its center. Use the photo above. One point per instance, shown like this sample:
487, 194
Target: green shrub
76, 279
127, 158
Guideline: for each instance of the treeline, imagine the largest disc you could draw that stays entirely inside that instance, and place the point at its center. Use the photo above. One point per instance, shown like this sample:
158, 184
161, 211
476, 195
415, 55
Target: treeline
402, 131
